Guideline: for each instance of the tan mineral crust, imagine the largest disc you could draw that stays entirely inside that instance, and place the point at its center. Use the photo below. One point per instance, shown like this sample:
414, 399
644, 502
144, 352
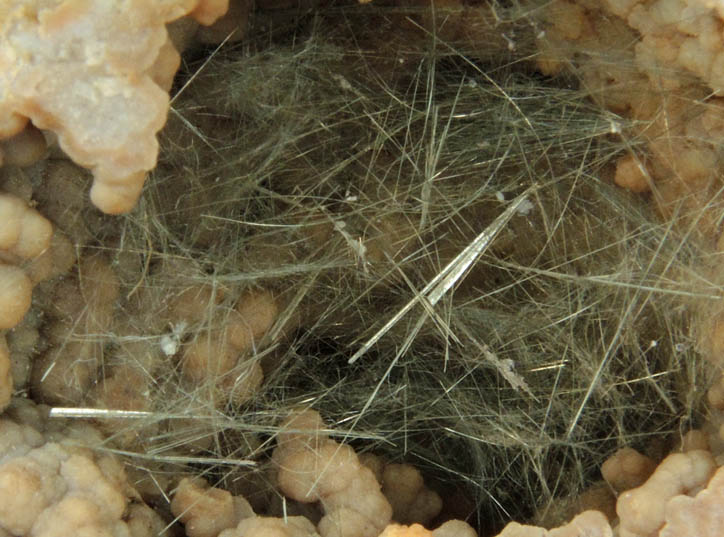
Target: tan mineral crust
96, 75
